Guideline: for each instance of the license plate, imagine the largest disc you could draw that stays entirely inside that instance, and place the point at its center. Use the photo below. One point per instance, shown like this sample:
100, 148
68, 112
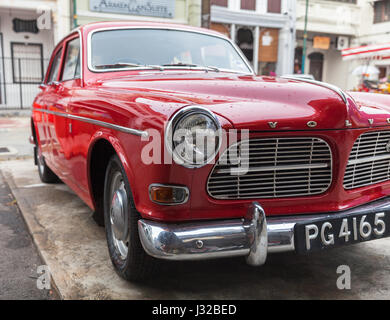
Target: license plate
338, 231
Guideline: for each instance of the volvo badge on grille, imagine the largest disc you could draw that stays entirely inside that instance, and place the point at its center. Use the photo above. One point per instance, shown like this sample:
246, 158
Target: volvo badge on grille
273, 124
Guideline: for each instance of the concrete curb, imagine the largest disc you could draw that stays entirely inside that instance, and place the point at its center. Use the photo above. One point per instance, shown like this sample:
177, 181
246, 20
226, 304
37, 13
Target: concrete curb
16, 157
12, 152
15, 113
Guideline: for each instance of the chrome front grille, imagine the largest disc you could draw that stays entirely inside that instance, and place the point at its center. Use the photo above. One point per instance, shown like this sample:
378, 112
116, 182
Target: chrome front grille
272, 168
369, 161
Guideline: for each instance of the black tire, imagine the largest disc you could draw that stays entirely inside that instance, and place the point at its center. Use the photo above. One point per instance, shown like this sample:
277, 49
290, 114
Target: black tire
135, 264
98, 218
45, 173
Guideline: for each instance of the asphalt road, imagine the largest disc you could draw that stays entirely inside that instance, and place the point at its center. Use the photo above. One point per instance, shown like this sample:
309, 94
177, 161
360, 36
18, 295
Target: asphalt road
19, 257
75, 249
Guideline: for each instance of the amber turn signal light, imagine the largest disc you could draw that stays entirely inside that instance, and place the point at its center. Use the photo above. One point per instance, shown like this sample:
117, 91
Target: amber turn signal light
168, 195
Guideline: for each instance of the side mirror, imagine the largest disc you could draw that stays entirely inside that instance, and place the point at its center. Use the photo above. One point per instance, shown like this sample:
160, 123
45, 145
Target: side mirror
55, 84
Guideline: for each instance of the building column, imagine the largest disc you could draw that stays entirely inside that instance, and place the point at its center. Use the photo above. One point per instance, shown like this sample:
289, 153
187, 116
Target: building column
233, 33
62, 20
256, 41
286, 48
194, 13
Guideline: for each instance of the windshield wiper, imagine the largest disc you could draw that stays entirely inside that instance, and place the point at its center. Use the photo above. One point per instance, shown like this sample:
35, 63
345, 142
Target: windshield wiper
156, 67
126, 64
191, 66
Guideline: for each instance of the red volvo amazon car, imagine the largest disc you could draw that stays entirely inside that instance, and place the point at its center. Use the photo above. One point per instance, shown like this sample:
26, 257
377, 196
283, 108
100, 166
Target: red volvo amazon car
183, 153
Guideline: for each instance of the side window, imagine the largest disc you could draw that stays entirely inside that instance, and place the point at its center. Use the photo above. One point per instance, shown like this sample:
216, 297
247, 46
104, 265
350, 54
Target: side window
72, 60
55, 67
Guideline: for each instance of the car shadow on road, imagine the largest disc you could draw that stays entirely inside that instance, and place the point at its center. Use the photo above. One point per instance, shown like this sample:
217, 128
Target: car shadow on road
284, 276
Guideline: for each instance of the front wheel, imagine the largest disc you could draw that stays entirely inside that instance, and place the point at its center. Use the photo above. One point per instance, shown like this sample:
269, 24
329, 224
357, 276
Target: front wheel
121, 223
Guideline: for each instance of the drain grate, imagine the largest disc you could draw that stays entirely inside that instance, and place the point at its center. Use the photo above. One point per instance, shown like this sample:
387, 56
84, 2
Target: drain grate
4, 150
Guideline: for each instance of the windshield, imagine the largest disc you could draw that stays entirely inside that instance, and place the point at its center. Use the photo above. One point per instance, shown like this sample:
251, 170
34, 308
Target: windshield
132, 48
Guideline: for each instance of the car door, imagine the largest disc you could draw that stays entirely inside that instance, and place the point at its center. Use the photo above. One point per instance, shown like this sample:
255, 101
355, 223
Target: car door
56, 121
59, 108
77, 134
47, 98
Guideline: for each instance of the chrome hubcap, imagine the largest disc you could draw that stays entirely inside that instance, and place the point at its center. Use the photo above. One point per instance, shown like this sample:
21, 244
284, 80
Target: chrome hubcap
119, 216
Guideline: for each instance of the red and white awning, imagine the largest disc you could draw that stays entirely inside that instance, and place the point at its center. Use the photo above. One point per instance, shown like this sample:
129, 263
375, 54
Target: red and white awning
376, 51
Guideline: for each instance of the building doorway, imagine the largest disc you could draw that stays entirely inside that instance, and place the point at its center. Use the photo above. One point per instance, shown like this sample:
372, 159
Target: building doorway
27, 62
382, 72
316, 65
298, 60
268, 51
244, 40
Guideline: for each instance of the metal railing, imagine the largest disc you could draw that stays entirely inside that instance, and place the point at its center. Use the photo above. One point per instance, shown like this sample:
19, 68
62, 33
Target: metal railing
19, 81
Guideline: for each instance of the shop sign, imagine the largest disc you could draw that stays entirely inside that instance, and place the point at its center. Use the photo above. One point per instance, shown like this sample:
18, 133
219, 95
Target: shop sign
152, 8
321, 43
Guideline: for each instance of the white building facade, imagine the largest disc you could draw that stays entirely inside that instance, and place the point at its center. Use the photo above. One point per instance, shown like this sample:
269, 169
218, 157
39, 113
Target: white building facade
375, 29
333, 25
29, 30
263, 29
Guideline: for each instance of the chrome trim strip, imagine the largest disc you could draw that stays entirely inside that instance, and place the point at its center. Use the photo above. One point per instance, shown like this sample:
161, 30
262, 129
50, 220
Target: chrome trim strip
273, 168
81, 56
171, 186
369, 159
97, 122
332, 87
89, 53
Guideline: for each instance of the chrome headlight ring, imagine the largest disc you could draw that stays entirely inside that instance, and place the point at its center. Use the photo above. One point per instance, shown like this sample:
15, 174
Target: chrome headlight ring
181, 142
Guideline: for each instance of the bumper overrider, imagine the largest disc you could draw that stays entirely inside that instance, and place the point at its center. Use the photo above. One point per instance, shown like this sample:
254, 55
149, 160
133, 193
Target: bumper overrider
255, 235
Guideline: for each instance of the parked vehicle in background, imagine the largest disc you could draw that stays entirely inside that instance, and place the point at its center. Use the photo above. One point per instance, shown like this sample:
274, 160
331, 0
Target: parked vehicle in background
374, 86
300, 76
184, 153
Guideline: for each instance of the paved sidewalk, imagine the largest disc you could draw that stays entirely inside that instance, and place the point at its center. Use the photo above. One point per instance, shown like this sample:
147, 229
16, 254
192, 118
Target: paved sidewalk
19, 257
14, 135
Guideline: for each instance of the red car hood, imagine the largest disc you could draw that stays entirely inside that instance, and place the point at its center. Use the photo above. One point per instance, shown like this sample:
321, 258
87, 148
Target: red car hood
250, 102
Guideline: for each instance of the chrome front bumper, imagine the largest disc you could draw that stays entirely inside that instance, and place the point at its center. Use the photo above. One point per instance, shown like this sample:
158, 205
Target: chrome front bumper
254, 236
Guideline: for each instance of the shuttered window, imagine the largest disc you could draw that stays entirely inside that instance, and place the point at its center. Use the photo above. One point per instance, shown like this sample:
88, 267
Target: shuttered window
248, 4
274, 6
221, 3
381, 11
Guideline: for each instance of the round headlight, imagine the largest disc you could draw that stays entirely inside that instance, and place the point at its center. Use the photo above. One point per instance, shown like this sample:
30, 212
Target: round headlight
193, 137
